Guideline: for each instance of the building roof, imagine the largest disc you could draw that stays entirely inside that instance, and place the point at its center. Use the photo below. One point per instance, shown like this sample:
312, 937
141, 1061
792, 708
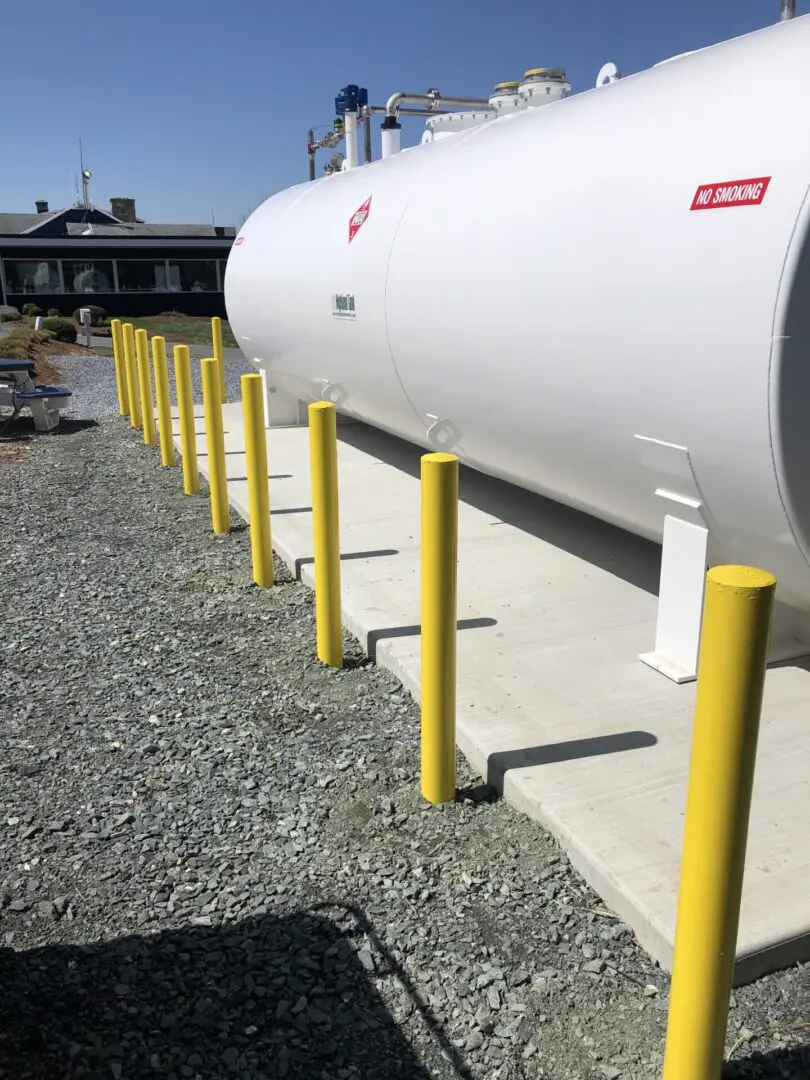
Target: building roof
78, 220
148, 229
21, 223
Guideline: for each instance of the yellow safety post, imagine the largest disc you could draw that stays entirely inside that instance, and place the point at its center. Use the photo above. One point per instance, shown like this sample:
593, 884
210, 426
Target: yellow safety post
215, 438
731, 679
185, 408
439, 575
164, 401
131, 365
216, 339
258, 492
145, 383
120, 367
326, 531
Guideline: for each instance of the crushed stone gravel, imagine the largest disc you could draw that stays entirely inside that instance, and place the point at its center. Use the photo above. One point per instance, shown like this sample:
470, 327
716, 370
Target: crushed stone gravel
92, 380
215, 861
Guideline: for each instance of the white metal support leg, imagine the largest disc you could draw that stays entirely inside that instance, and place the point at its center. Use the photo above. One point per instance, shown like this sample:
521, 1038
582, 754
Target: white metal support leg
684, 562
280, 408
263, 374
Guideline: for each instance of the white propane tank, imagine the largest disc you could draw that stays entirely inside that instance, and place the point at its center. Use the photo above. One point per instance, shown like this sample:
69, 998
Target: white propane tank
595, 301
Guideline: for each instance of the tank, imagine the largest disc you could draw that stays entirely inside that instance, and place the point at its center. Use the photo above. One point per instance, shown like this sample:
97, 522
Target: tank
599, 300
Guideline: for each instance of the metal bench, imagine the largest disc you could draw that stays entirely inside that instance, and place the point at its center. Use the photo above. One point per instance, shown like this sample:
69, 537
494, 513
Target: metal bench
18, 391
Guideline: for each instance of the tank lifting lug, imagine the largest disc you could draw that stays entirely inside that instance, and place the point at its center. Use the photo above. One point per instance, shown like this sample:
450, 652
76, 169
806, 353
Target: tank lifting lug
333, 392
442, 433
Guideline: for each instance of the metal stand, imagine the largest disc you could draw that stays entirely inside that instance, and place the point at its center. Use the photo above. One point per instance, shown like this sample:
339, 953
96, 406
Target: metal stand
684, 561
281, 409
685, 558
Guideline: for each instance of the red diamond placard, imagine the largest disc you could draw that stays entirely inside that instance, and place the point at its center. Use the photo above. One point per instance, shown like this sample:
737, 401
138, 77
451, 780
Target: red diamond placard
358, 218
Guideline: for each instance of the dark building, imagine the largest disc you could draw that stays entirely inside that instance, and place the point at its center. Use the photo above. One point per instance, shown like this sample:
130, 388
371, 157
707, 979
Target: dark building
83, 255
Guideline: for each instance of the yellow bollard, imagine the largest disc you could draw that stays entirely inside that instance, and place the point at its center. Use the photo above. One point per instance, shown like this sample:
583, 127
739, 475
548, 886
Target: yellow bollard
326, 531
731, 678
164, 401
215, 439
185, 408
258, 493
145, 383
120, 367
439, 576
216, 340
131, 365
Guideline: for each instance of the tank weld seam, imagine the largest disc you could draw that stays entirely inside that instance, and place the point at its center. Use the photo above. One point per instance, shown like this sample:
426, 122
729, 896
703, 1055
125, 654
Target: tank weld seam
460, 138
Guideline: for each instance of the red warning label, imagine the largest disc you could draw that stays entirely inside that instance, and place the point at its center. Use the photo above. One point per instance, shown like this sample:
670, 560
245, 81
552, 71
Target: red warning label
358, 218
731, 193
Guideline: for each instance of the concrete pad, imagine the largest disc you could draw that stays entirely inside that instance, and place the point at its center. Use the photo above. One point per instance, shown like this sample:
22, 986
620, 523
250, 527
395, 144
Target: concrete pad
554, 706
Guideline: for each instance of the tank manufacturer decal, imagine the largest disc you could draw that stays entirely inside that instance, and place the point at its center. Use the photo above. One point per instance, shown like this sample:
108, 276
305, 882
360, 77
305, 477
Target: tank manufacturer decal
358, 218
731, 193
343, 306
239, 240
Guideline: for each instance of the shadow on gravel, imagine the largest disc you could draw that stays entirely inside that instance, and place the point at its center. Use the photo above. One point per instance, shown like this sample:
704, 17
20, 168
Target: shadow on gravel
23, 428
268, 997
552, 753
620, 553
794, 1064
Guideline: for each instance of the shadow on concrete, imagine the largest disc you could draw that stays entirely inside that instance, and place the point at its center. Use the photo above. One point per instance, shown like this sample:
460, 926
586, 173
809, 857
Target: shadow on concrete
531, 756
243, 479
291, 510
801, 662
346, 556
375, 636
285, 996
620, 553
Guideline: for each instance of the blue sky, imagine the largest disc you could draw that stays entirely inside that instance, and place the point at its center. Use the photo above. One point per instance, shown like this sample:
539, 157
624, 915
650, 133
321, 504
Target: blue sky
200, 107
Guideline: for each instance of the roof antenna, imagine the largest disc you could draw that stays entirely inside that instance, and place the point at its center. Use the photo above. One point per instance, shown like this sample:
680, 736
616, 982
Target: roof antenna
86, 174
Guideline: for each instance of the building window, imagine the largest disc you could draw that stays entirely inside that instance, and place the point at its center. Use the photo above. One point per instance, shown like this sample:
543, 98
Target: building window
141, 275
88, 277
32, 276
193, 275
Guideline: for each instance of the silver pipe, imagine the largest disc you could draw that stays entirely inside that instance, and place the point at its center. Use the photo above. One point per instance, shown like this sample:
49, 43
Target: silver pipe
788, 10
379, 110
367, 138
433, 98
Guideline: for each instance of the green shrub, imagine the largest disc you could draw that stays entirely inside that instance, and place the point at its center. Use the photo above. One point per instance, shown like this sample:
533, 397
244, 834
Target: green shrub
32, 309
62, 329
10, 315
98, 315
54, 312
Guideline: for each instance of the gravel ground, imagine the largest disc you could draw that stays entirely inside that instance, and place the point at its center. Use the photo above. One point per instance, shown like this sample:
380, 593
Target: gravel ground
215, 859
92, 380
